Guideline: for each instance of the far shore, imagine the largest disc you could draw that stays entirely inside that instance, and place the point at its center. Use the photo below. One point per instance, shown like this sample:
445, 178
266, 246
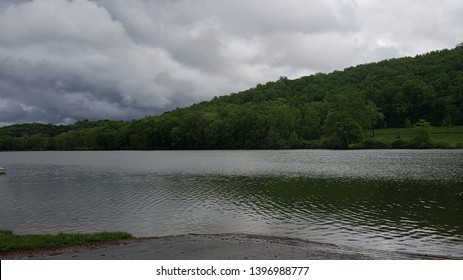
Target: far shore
215, 247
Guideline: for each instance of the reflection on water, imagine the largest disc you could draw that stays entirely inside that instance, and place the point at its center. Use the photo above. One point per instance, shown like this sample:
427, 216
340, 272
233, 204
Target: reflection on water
394, 200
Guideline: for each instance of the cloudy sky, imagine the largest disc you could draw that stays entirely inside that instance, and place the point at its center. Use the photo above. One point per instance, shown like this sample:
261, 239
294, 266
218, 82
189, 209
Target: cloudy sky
62, 61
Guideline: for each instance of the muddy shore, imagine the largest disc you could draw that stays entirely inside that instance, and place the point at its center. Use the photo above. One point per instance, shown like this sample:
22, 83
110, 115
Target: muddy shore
215, 247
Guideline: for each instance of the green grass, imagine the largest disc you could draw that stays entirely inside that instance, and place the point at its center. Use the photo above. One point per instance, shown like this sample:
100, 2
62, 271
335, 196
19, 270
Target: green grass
10, 242
452, 136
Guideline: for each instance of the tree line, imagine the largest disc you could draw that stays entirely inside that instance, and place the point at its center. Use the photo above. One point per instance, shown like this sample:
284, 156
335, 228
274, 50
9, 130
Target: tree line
335, 110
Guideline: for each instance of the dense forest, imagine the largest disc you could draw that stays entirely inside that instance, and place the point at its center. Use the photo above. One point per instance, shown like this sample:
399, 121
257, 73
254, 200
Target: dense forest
336, 110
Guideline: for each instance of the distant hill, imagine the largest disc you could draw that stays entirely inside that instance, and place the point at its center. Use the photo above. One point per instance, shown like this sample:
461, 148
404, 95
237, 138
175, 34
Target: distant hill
336, 110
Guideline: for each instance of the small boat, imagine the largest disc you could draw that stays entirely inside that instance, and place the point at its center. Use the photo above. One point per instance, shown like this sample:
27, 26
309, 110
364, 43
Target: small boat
2, 170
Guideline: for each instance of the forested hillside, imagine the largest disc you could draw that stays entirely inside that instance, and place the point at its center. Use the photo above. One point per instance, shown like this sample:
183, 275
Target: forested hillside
335, 110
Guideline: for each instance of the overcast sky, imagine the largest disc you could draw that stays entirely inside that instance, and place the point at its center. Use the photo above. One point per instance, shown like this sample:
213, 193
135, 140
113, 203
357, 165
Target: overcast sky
62, 61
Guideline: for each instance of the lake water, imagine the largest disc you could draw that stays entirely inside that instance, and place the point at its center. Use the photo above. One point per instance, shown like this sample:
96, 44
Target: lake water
406, 200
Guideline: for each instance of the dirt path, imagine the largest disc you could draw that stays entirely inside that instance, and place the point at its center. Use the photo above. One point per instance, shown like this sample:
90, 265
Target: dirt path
214, 247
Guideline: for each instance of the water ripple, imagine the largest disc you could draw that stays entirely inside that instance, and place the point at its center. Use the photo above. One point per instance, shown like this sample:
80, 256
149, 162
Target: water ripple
395, 200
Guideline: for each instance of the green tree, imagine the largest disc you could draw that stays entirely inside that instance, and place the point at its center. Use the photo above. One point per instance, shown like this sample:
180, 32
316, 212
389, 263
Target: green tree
310, 124
421, 137
343, 126
407, 123
447, 122
422, 123
274, 140
374, 116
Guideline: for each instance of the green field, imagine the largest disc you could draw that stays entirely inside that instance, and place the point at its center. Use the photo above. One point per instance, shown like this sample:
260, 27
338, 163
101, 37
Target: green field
452, 136
10, 242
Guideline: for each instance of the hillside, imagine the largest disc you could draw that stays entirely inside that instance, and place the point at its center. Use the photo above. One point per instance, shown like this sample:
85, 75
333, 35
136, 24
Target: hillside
335, 110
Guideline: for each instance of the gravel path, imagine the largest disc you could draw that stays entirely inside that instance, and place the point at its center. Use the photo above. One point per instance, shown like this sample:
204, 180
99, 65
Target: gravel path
214, 247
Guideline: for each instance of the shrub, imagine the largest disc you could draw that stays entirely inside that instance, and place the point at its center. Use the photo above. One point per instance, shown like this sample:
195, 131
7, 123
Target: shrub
442, 145
333, 142
401, 144
373, 144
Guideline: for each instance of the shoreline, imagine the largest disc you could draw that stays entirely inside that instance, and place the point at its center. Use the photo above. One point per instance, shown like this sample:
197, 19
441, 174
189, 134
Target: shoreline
216, 247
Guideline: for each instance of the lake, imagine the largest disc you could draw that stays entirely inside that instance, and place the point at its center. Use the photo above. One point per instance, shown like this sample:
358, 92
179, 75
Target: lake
404, 200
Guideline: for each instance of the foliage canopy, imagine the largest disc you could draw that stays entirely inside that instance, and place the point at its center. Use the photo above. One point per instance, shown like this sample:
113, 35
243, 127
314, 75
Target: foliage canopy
323, 110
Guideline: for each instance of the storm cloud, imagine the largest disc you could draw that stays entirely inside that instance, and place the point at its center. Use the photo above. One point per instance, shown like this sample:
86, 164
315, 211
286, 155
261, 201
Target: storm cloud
62, 61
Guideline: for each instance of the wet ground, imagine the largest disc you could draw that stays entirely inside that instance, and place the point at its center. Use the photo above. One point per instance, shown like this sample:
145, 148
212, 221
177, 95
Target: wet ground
216, 247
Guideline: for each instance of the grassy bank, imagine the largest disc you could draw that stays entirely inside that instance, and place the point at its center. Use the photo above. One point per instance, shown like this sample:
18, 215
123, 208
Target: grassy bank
441, 137
10, 242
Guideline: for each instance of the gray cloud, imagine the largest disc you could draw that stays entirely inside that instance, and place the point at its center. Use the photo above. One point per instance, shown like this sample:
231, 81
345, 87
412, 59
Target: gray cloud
62, 60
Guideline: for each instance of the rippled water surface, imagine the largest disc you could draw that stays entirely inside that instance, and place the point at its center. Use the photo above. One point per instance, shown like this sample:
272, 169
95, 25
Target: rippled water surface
409, 200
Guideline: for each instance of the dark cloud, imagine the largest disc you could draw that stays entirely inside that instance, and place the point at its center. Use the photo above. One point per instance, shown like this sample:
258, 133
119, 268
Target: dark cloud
62, 61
